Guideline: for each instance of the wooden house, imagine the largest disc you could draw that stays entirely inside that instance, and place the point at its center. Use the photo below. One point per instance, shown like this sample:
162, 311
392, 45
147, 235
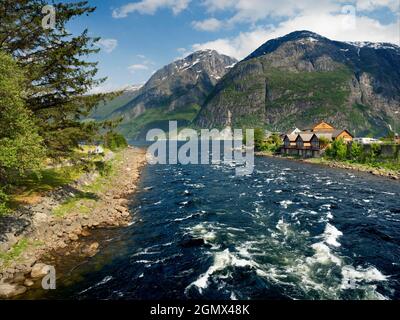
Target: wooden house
342, 134
323, 127
307, 143
290, 140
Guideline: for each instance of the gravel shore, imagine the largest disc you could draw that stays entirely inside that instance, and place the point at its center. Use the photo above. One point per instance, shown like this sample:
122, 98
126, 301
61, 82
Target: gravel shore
43, 232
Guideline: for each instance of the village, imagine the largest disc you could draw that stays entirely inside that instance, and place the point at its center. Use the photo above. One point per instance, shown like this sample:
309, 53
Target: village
312, 142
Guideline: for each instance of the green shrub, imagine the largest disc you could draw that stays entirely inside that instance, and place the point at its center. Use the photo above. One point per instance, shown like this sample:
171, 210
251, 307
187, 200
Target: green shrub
259, 136
323, 142
115, 141
3, 203
355, 151
21, 147
337, 150
104, 168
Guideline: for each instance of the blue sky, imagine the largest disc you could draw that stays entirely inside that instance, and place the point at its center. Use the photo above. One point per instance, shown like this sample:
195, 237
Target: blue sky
140, 36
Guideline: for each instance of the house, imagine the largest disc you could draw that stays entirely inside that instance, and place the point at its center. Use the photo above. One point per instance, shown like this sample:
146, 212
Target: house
290, 140
323, 127
308, 143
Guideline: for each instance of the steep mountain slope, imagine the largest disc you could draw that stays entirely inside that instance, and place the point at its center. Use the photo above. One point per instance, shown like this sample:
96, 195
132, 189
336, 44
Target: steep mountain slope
302, 78
105, 109
175, 92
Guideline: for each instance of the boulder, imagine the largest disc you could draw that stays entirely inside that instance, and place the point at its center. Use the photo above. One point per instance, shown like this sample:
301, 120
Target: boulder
19, 278
10, 290
39, 270
85, 233
73, 237
29, 282
91, 250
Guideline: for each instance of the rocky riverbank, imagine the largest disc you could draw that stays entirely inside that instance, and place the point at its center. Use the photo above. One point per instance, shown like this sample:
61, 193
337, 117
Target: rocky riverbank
35, 231
382, 172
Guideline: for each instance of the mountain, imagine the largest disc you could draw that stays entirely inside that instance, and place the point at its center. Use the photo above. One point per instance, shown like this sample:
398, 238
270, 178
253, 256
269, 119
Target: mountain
105, 109
175, 92
301, 78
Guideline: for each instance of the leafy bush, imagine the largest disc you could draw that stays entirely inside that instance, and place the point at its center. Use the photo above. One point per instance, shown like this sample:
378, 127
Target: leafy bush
104, 168
272, 143
259, 136
355, 151
337, 150
20, 144
115, 141
323, 142
3, 203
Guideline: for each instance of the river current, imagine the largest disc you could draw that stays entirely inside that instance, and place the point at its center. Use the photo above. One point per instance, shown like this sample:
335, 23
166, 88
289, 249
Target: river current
289, 230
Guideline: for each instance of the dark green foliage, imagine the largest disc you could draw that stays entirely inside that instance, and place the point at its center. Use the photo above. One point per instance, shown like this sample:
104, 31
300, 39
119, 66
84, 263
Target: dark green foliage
115, 141
259, 136
337, 150
355, 151
59, 77
3, 203
371, 155
323, 142
261, 143
20, 144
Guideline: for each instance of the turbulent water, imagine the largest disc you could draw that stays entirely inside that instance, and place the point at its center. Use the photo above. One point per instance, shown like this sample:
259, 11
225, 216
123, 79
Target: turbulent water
288, 231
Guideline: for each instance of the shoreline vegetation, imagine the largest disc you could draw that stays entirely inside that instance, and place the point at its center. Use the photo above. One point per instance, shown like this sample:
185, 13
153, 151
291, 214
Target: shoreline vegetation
53, 189
338, 154
347, 164
61, 218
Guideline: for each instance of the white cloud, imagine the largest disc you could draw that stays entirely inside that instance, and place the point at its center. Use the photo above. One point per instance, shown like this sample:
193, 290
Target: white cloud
137, 67
370, 5
150, 7
333, 26
211, 24
108, 45
251, 11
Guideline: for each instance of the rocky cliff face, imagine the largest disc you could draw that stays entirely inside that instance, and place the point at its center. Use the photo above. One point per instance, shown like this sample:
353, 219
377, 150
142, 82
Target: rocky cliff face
175, 92
302, 78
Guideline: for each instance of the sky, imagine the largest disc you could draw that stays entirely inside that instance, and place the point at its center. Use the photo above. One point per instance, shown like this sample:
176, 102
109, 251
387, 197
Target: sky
141, 36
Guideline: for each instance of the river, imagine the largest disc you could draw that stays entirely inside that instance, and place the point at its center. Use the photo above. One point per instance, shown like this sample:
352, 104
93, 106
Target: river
289, 230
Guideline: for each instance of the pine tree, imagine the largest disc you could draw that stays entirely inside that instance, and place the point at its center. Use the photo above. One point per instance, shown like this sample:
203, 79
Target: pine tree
20, 144
58, 75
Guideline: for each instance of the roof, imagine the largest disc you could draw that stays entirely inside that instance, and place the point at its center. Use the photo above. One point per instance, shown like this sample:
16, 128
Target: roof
338, 132
306, 137
323, 122
292, 137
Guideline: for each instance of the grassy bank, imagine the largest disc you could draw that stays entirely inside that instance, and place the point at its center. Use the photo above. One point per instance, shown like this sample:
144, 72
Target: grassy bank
84, 200
386, 169
390, 169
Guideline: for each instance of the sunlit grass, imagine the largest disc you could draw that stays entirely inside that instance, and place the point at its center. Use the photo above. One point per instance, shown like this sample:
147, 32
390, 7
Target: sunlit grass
14, 253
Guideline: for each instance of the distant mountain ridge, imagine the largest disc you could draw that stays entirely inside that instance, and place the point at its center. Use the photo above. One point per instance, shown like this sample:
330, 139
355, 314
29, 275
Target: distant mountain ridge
175, 92
301, 78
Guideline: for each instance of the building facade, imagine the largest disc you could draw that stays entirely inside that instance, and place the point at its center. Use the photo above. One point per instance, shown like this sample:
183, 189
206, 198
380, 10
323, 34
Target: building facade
310, 143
